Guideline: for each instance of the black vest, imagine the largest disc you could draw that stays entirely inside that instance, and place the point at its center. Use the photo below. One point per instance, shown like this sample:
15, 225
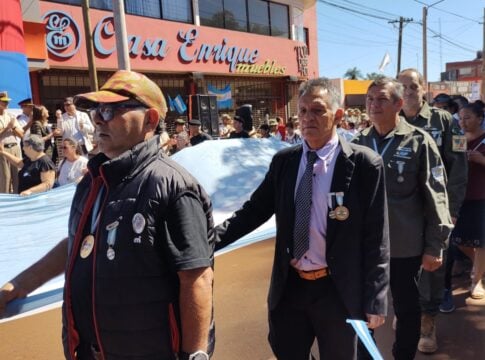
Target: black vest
136, 296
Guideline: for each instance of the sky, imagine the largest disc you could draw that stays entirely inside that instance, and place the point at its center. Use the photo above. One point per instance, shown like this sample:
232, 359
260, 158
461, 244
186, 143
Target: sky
348, 39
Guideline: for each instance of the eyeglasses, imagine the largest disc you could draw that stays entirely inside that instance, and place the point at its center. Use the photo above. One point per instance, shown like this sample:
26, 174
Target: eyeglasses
65, 147
67, 104
107, 111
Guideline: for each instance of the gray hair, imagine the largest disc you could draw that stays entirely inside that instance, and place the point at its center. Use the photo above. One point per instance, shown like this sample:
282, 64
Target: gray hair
35, 142
418, 74
396, 89
326, 86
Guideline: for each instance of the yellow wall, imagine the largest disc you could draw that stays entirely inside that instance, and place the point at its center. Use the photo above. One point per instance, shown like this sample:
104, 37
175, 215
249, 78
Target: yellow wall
356, 87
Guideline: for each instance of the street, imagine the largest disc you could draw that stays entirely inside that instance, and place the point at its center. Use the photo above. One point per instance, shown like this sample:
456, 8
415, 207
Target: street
241, 285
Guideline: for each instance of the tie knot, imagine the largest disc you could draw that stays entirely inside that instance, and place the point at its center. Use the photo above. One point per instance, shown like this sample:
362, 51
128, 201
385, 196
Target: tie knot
311, 157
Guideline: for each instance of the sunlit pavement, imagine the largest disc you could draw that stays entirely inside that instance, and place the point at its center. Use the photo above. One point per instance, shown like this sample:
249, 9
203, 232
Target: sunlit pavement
241, 286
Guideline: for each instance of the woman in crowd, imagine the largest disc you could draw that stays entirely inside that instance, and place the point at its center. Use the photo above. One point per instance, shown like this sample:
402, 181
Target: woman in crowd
37, 171
73, 167
226, 127
40, 118
469, 232
291, 136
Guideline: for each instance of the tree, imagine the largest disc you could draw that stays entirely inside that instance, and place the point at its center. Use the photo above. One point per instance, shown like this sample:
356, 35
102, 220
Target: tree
374, 76
353, 74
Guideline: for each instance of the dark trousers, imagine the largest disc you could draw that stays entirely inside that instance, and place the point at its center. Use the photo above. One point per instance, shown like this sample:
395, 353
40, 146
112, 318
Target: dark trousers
405, 295
431, 289
311, 309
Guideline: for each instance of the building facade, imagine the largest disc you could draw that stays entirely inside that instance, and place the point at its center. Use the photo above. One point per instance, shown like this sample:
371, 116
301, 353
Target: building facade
242, 51
460, 78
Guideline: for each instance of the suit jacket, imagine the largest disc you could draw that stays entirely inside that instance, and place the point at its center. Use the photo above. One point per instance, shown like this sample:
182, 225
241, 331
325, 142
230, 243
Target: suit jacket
357, 248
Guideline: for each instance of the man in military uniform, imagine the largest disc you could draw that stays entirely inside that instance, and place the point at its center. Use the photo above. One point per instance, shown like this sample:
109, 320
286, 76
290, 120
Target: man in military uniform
452, 146
415, 184
10, 132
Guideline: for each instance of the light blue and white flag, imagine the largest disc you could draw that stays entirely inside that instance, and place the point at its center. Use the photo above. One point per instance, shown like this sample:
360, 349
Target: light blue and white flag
179, 104
364, 335
224, 96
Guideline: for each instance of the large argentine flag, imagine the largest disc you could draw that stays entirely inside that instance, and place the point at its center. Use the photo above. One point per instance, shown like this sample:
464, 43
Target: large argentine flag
13, 61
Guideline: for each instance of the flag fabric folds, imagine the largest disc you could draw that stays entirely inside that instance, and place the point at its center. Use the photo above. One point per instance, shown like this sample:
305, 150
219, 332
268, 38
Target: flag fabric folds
386, 60
224, 96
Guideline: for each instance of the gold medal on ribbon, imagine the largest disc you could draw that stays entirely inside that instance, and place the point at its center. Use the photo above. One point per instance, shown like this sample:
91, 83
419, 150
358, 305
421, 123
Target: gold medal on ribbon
341, 212
87, 246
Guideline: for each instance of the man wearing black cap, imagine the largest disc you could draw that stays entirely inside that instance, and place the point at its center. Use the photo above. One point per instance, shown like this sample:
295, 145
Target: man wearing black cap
196, 134
10, 131
239, 131
139, 251
27, 107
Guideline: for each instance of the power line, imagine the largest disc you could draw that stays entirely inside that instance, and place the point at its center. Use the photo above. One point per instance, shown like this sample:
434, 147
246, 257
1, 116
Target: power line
354, 11
371, 8
457, 15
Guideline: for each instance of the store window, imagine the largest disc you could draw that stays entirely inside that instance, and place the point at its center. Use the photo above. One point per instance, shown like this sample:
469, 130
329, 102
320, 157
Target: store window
258, 17
148, 8
180, 10
211, 13
101, 4
235, 15
279, 20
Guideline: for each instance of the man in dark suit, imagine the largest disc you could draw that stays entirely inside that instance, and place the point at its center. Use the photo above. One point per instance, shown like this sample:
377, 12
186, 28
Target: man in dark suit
332, 248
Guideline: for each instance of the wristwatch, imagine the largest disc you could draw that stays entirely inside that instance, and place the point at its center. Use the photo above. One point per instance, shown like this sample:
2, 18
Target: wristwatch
198, 355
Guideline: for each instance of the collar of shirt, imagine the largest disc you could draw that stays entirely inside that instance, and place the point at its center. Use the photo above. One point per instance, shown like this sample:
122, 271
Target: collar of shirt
325, 153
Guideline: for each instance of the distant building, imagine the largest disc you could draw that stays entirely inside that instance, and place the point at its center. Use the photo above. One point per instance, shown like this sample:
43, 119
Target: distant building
460, 78
464, 70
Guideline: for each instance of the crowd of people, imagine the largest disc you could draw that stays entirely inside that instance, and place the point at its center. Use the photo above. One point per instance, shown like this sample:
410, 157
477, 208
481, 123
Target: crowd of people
29, 152
382, 200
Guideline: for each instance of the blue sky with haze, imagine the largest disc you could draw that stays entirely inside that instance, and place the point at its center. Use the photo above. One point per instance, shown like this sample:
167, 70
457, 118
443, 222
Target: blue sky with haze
358, 34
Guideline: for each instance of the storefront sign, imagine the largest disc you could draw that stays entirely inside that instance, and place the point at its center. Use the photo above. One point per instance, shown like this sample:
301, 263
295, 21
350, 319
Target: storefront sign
64, 40
302, 59
63, 35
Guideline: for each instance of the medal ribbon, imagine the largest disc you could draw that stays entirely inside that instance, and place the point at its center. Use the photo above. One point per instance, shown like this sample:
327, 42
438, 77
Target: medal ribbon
96, 213
385, 148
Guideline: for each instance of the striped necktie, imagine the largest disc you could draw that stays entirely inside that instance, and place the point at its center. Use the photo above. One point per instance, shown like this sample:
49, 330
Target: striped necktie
303, 204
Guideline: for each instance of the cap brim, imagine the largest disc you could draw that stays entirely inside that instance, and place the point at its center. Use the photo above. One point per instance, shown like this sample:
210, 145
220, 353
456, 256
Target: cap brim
89, 100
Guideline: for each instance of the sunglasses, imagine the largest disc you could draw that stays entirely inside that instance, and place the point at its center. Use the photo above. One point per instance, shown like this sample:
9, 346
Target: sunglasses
107, 111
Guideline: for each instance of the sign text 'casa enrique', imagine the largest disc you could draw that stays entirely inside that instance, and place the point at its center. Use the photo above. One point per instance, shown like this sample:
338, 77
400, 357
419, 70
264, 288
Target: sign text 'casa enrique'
64, 39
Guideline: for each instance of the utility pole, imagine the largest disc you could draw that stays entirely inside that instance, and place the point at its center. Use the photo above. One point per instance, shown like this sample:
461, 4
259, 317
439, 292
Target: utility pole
425, 48
93, 78
120, 34
425, 43
401, 22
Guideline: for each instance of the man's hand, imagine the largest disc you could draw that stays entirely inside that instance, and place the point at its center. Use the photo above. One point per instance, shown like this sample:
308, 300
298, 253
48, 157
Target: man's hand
431, 263
9, 292
374, 321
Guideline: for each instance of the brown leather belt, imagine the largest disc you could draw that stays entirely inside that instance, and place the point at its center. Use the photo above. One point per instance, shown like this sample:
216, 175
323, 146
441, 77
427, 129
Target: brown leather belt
8, 146
313, 274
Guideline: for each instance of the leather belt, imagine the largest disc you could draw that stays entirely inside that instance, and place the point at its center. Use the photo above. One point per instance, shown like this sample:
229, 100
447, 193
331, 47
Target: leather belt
8, 146
313, 274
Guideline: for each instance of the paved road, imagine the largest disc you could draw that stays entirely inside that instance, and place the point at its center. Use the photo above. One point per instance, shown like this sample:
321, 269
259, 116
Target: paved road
241, 281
